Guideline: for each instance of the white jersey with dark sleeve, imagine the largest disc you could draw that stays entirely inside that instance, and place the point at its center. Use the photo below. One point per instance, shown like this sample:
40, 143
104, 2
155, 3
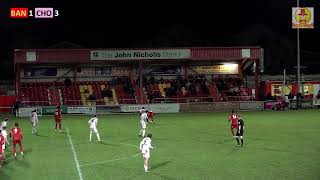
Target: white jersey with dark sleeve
34, 118
145, 145
93, 122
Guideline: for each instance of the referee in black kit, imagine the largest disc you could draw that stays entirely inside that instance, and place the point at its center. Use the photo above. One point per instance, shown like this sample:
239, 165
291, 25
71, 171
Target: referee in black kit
240, 131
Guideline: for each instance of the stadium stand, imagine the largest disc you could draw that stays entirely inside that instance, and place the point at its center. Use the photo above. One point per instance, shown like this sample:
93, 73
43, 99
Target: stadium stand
232, 89
177, 90
89, 93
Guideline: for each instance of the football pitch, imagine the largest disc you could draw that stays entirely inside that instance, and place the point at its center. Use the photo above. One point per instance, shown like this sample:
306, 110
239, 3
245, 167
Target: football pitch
277, 145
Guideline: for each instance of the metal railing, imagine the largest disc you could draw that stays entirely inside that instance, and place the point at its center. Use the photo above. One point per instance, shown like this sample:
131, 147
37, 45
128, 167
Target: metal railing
239, 98
34, 103
182, 100
99, 102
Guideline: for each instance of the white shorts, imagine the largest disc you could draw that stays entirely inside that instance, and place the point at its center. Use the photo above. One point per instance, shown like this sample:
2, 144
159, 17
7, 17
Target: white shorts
94, 129
146, 154
143, 124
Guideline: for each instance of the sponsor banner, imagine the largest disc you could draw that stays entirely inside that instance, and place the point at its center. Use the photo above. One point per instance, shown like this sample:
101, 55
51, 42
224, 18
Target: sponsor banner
157, 108
140, 54
108, 109
220, 106
302, 17
254, 105
49, 110
40, 71
275, 105
31, 56
245, 53
303, 104
81, 110
217, 69
26, 112
276, 89
316, 90
316, 102
306, 103
196, 107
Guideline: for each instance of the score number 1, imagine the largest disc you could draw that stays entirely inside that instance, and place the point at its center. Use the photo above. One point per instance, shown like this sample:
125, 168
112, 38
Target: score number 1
44, 13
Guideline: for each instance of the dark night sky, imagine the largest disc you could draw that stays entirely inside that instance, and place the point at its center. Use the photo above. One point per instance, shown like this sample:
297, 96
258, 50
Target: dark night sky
163, 24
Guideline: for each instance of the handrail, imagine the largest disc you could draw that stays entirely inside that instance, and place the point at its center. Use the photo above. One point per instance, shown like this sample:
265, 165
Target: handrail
182, 100
120, 101
239, 98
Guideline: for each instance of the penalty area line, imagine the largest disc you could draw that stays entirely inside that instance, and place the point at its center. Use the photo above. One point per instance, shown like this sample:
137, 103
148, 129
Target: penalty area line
75, 156
111, 160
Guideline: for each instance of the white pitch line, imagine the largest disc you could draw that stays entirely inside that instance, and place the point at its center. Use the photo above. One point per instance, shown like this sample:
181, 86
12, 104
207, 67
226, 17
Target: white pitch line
129, 145
111, 160
75, 156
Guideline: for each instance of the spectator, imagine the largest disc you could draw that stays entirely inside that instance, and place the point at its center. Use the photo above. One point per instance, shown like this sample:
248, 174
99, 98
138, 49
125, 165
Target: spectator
105, 92
92, 97
269, 97
290, 96
67, 82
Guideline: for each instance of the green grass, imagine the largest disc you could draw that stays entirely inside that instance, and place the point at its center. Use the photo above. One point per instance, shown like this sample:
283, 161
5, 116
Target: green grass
278, 145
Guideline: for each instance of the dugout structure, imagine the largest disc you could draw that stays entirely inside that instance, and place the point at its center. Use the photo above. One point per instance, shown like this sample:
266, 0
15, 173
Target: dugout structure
39, 71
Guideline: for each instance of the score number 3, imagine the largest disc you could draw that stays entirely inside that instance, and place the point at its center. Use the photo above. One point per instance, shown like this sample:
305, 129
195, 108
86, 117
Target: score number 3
56, 13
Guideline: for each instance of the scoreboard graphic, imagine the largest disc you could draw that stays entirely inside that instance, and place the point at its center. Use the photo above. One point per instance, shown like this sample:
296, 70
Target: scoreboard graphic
38, 12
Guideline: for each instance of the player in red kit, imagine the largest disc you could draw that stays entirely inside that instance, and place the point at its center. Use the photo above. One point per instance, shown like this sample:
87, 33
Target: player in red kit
58, 118
16, 135
233, 117
150, 115
2, 141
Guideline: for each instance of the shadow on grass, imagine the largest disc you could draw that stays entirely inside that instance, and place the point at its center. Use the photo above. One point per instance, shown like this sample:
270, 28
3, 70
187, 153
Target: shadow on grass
161, 164
279, 150
27, 151
163, 139
162, 176
233, 150
107, 144
224, 141
39, 135
2, 174
8, 160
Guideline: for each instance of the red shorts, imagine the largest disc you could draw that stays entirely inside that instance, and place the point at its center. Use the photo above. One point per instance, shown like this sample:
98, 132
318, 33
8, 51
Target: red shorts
17, 142
234, 126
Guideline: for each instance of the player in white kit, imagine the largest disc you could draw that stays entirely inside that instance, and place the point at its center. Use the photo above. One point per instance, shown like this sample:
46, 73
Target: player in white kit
142, 110
4, 123
34, 122
93, 127
145, 146
143, 122
5, 135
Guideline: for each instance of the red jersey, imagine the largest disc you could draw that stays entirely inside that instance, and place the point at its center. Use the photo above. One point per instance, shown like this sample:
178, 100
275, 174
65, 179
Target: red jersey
16, 133
234, 118
2, 140
57, 115
150, 114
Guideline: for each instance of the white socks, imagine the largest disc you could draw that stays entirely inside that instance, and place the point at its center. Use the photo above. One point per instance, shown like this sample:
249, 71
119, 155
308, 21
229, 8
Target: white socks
145, 168
34, 130
98, 136
143, 133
